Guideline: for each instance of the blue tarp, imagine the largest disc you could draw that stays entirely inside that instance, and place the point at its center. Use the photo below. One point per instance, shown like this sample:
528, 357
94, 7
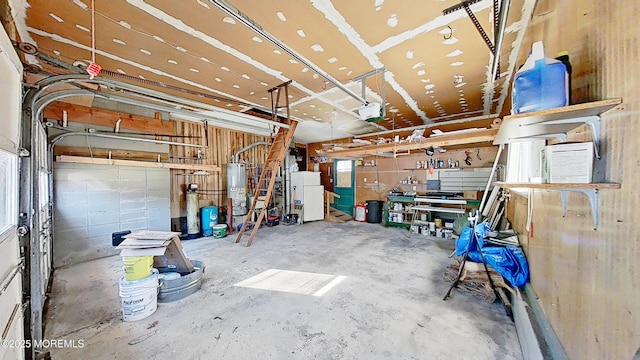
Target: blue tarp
510, 261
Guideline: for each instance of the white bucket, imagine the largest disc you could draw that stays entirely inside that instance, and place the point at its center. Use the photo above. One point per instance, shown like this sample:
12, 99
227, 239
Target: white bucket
139, 298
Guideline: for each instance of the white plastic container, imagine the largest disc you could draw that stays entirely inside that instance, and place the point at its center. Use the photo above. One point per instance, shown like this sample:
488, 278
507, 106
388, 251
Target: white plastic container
139, 298
568, 163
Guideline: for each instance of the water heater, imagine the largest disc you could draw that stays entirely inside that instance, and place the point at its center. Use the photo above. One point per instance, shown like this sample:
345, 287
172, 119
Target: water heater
237, 187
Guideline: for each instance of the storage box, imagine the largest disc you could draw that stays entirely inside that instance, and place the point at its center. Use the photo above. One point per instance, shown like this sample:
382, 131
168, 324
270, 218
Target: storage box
473, 195
568, 163
164, 246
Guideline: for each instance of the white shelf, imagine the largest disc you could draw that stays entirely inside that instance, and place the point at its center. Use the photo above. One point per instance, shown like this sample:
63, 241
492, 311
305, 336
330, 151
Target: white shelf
440, 201
557, 186
554, 123
439, 209
450, 210
589, 190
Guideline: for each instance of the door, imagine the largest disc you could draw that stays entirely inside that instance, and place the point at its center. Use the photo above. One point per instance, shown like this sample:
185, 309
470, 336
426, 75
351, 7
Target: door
11, 260
343, 181
313, 202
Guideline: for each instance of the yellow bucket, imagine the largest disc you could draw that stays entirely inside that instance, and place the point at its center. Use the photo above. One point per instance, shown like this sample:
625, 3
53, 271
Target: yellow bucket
137, 267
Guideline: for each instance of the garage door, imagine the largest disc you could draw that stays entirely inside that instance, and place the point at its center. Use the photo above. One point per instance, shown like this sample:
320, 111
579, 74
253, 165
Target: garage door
11, 314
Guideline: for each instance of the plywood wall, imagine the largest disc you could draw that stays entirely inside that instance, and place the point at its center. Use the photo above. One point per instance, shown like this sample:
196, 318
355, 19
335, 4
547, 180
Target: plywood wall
374, 183
223, 143
588, 281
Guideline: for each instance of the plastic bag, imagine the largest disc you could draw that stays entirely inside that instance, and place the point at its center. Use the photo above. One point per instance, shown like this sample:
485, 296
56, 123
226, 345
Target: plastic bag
510, 261
462, 244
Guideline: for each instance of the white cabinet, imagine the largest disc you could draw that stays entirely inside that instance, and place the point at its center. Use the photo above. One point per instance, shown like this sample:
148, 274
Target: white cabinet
306, 190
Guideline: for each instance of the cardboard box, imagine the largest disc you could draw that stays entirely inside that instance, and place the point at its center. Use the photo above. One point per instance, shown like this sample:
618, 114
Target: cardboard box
568, 163
472, 194
164, 246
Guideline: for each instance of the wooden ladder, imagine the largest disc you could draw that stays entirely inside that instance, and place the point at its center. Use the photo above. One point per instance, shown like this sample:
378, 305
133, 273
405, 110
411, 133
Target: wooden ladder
278, 150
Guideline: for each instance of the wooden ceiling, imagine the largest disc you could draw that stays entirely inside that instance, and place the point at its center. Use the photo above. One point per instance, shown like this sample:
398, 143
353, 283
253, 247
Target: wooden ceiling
437, 66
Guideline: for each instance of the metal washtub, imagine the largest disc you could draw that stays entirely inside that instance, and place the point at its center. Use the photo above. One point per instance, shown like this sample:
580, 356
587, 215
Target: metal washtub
176, 289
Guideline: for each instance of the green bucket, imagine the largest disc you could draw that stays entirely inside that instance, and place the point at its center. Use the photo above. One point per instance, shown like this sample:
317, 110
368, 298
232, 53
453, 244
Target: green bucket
219, 231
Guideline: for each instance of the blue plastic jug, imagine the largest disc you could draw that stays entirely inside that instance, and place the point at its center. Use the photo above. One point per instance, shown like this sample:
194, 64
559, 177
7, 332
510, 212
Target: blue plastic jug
541, 83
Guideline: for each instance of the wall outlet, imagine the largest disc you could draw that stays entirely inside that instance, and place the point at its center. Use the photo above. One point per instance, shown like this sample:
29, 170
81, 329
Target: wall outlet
414, 188
365, 179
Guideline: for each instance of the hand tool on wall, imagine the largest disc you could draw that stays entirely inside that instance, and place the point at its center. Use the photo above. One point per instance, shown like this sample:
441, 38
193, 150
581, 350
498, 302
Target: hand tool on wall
467, 160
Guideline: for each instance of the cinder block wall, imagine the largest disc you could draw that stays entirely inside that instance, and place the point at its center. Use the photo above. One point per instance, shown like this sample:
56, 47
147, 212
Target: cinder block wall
93, 201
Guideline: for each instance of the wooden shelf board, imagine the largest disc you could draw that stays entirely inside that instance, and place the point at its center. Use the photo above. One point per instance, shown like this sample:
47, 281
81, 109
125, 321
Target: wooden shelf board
571, 111
480, 136
436, 169
118, 162
559, 186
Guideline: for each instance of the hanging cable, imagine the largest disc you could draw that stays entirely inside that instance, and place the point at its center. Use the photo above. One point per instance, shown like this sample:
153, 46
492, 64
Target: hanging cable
93, 31
93, 69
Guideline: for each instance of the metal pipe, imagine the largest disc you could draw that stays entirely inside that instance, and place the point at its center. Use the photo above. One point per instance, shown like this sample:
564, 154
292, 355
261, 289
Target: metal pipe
427, 126
61, 94
59, 63
236, 156
504, 12
486, 190
251, 24
31, 96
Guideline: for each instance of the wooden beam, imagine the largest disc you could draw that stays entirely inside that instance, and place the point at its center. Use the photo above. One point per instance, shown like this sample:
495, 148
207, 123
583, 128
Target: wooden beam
118, 162
104, 153
467, 138
107, 118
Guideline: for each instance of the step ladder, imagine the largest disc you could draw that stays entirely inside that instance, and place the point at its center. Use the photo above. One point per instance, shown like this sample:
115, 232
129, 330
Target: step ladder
277, 151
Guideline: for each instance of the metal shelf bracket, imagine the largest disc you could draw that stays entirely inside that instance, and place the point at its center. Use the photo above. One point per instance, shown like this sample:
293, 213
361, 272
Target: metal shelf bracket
591, 194
593, 122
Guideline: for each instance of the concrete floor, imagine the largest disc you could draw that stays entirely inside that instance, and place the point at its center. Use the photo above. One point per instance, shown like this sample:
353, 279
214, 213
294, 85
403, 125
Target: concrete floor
389, 306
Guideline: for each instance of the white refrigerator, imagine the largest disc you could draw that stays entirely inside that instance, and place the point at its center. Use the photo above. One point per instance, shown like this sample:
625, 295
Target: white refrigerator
306, 188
